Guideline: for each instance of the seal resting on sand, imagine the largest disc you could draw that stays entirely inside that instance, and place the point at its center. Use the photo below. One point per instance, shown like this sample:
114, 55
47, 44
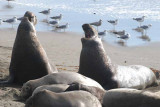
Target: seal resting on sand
46, 98
29, 60
56, 78
130, 98
97, 92
95, 63
54, 88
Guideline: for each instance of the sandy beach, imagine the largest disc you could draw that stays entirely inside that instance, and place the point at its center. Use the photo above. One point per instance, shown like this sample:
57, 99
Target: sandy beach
63, 49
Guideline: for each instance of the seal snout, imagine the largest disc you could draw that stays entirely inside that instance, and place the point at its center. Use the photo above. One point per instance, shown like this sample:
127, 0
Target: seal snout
88, 30
31, 17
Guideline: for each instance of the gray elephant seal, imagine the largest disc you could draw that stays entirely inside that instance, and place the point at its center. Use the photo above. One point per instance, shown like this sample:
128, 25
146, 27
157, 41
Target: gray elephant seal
46, 98
95, 63
57, 88
130, 98
97, 92
29, 60
56, 78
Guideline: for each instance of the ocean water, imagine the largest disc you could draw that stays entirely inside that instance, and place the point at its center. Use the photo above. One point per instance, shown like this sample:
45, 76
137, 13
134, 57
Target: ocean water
78, 12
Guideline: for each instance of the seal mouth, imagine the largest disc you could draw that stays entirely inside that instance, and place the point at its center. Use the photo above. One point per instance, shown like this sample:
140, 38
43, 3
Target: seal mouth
88, 30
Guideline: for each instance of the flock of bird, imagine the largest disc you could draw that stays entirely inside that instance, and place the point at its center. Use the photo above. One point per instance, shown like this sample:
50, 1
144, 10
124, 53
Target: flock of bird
54, 22
122, 34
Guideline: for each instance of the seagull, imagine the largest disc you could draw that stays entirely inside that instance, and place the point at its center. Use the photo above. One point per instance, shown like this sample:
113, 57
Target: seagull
102, 33
57, 17
99, 23
119, 32
54, 22
145, 27
62, 26
46, 12
140, 19
113, 22
125, 37
11, 21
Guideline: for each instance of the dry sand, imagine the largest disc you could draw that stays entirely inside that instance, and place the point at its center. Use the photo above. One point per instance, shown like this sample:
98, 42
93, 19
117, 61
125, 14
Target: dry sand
64, 50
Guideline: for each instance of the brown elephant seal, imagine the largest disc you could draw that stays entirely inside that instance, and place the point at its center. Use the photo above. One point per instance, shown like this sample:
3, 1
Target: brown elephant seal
57, 88
46, 98
29, 60
95, 63
97, 92
130, 98
56, 78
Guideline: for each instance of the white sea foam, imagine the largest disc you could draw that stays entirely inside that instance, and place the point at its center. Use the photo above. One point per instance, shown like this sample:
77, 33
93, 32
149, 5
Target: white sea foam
115, 8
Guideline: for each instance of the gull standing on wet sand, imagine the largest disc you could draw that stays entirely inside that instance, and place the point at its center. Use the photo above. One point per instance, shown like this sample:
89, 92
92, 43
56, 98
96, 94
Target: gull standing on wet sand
125, 37
119, 32
62, 27
54, 22
11, 21
57, 17
46, 12
145, 27
140, 19
99, 23
113, 22
102, 33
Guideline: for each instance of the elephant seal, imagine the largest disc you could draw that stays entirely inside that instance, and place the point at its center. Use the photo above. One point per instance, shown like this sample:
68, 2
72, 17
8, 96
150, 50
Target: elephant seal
54, 88
95, 63
56, 78
130, 98
29, 60
97, 92
46, 98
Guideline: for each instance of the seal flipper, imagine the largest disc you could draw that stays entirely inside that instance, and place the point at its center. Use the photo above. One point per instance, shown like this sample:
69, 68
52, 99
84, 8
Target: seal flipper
7, 82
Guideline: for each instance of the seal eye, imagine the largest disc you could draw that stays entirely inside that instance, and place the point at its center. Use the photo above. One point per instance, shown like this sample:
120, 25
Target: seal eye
27, 88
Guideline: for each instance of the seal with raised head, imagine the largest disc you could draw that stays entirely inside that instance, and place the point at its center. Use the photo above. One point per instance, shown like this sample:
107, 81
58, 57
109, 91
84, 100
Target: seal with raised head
46, 98
95, 63
56, 78
97, 92
29, 60
31, 17
130, 98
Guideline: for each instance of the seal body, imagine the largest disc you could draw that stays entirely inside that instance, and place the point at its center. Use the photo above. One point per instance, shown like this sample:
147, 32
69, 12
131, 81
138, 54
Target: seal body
54, 88
29, 60
47, 98
56, 78
130, 98
95, 63
97, 92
